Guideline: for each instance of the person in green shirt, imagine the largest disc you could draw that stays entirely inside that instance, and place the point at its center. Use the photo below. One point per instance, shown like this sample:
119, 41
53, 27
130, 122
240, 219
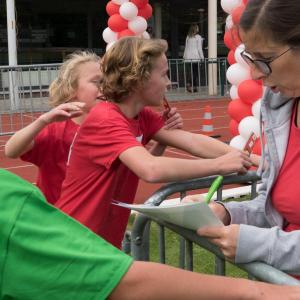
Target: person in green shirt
47, 255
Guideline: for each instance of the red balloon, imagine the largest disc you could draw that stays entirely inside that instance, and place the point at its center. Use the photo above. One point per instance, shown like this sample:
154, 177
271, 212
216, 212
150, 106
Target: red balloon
126, 32
140, 3
112, 8
230, 57
145, 11
117, 23
233, 127
249, 91
237, 13
245, 2
238, 110
231, 38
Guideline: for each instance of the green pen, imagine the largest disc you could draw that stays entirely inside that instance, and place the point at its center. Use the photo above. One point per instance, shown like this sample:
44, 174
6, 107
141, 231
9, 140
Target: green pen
214, 186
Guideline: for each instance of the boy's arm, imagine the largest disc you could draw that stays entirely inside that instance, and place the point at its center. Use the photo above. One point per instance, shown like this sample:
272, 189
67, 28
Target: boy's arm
165, 169
195, 144
23, 140
146, 280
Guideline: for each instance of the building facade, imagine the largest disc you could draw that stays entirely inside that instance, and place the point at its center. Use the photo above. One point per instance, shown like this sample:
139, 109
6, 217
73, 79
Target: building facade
48, 30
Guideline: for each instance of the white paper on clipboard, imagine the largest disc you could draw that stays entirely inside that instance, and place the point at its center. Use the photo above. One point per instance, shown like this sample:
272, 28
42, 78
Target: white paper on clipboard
188, 215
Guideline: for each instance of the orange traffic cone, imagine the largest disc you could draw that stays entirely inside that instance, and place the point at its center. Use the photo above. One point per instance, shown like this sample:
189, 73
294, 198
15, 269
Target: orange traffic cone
207, 126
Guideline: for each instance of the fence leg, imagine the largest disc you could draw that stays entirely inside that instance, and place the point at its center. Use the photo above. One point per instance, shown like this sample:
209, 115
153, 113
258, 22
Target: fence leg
182, 253
140, 238
161, 244
126, 247
189, 256
220, 267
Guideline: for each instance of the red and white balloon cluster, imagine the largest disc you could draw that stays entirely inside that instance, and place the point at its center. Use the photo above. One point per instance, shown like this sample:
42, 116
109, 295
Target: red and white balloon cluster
126, 18
244, 109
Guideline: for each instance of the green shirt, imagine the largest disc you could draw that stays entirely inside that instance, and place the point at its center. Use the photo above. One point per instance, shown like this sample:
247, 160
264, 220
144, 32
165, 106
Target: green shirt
47, 255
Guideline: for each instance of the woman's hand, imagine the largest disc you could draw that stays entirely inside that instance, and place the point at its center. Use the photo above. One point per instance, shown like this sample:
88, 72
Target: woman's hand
225, 237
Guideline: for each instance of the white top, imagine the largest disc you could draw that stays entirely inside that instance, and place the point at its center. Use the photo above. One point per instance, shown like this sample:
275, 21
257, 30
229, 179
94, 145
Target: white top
193, 47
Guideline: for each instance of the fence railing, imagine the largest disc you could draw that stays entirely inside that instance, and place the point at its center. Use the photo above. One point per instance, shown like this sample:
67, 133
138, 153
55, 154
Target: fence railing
24, 88
195, 76
24, 94
141, 228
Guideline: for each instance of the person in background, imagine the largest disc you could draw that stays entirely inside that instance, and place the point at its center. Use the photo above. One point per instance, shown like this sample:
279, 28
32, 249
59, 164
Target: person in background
150, 30
47, 255
267, 228
108, 156
47, 140
193, 53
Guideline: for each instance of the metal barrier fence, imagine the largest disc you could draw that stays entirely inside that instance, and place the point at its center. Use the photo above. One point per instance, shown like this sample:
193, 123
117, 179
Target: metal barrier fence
23, 94
141, 228
24, 89
195, 76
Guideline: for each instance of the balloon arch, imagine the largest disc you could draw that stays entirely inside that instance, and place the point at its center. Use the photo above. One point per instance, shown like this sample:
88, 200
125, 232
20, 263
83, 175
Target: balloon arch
244, 109
126, 18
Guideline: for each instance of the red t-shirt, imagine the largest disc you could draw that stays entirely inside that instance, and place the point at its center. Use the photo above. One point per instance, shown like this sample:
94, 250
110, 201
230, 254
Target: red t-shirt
286, 191
49, 154
96, 176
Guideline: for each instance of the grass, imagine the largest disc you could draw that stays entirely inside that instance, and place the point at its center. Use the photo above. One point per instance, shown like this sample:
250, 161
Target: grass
203, 260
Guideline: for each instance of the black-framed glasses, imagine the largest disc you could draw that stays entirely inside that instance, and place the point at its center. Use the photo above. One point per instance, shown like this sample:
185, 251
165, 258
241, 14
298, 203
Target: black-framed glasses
262, 65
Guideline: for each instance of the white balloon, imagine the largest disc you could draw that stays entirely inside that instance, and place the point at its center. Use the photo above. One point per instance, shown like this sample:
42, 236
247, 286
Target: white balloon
237, 56
236, 73
229, 5
146, 35
233, 92
247, 126
109, 45
229, 22
138, 25
256, 109
238, 142
128, 11
109, 36
119, 2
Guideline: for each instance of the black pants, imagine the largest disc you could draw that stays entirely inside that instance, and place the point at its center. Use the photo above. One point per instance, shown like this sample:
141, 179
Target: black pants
192, 73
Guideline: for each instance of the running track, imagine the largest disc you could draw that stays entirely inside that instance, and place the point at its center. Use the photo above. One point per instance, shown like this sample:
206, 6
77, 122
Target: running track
191, 111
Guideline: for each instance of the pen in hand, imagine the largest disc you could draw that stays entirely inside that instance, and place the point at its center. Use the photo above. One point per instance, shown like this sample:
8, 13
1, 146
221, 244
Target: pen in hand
214, 186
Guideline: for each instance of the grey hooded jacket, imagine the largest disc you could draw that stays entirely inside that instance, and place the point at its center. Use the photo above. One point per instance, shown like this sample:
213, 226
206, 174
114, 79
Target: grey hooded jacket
263, 239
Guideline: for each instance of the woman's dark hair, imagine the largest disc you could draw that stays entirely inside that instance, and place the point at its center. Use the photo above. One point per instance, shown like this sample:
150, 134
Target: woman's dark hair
276, 19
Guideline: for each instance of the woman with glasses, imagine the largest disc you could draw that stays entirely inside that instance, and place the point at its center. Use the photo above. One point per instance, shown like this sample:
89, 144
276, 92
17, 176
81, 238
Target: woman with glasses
269, 229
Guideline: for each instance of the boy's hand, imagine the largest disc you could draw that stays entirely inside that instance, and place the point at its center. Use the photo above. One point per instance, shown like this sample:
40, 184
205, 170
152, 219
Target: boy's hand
63, 112
173, 119
234, 161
